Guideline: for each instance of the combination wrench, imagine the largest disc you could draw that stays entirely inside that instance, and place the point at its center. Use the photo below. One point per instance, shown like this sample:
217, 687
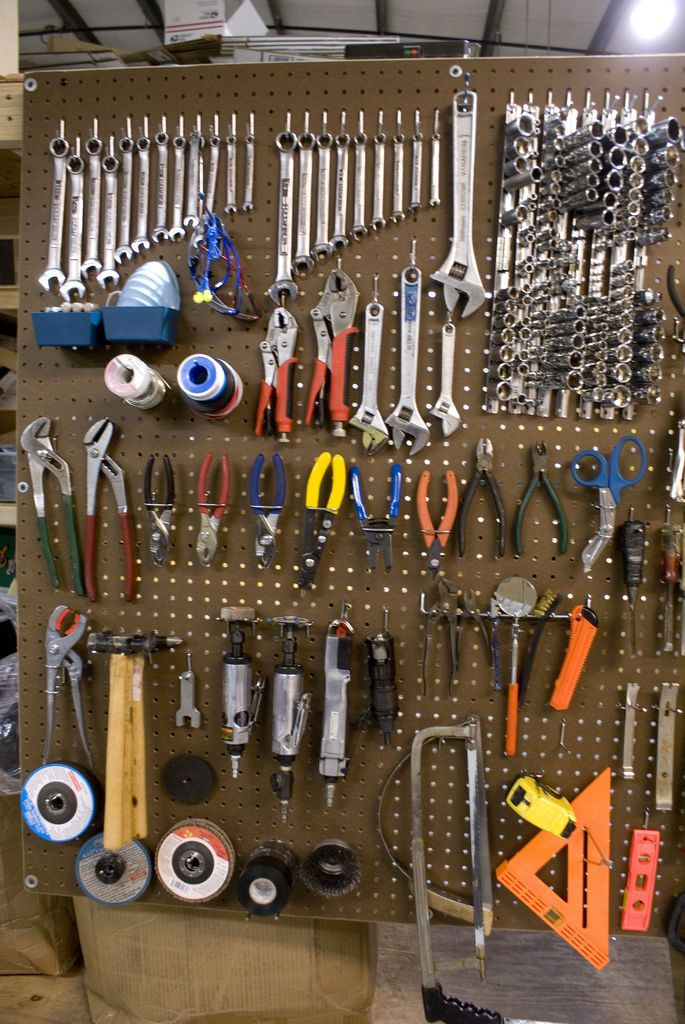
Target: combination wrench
53, 274
434, 199
303, 260
91, 261
342, 163
406, 421
126, 148
74, 283
214, 143
160, 232
416, 164
141, 242
286, 144
359, 228
378, 220
367, 418
109, 275
178, 144
398, 171
248, 195
195, 144
231, 143
324, 143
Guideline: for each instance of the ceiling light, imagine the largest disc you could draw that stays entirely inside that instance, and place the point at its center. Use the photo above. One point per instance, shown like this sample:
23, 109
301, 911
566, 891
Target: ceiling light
651, 18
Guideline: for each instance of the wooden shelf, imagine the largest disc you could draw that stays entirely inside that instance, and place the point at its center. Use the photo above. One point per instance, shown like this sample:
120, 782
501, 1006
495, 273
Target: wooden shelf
8, 513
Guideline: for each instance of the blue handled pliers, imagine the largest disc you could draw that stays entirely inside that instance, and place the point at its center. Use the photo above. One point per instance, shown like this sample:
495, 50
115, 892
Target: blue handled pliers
266, 516
378, 532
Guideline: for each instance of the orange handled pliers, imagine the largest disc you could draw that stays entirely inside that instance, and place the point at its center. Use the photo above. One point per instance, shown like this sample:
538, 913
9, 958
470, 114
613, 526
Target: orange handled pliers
435, 537
211, 512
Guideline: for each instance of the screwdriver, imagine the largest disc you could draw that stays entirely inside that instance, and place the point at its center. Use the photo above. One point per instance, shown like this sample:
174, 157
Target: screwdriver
631, 540
380, 650
670, 575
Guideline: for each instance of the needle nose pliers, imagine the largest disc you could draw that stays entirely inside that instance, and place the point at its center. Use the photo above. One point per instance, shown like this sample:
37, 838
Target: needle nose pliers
483, 471
96, 442
65, 629
319, 518
539, 478
435, 538
159, 511
378, 532
266, 516
211, 512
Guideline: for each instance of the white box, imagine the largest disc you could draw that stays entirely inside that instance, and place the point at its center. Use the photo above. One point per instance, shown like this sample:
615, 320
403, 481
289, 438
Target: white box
192, 19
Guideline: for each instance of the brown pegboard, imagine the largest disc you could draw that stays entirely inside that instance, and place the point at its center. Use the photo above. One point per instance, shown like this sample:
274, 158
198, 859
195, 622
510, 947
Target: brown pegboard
67, 386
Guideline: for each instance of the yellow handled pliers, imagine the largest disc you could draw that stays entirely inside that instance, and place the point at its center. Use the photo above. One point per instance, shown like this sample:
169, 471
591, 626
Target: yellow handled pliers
319, 516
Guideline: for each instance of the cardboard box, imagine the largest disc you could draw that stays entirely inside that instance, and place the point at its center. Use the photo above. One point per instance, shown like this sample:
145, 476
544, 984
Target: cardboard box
189, 966
192, 19
37, 933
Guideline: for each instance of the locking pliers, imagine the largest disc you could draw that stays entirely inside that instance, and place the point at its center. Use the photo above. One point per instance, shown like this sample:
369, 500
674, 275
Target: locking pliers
275, 404
333, 319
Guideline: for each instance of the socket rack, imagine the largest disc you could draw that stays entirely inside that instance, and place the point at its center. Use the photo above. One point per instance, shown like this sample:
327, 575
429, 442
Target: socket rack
67, 386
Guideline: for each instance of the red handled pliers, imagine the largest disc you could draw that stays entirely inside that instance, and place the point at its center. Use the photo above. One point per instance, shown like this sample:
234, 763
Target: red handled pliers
333, 319
275, 403
211, 512
96, 442
435, 537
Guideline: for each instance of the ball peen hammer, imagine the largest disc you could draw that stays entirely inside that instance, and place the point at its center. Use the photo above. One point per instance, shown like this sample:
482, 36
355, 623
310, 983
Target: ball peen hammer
125, 770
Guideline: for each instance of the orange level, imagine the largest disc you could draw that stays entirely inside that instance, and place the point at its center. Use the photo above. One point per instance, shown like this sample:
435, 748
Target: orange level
642, 867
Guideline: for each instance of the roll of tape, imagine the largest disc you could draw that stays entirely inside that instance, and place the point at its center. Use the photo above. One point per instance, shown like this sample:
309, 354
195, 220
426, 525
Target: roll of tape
132, 380
210, 386
266, 880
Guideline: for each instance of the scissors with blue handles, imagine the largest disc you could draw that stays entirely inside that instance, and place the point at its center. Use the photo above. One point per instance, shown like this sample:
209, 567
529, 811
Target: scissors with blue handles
611, 484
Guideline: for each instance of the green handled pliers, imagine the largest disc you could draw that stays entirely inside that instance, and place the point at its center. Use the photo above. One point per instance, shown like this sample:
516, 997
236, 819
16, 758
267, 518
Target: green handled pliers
539, 478
36, 442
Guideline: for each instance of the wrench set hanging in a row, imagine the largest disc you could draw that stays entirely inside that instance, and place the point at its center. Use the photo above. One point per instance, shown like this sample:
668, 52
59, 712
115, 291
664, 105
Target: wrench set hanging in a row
585, 193
107, 191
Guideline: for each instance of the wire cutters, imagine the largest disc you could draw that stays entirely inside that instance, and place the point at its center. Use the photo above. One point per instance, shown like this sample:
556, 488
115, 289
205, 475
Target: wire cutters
446, 607
319, 518
60, 640
378, 532
333, 319
483, 471
159, 511
435, 538
471, 613
96, 442
275, 403
539, 478
36, 442
266, 516
211, 512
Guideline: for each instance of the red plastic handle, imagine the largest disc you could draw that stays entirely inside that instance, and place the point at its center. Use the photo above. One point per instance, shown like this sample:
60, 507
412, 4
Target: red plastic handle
285, 380
315, 388
129, 561
340, 355
265, 393
91, 537
202, 483
512, 719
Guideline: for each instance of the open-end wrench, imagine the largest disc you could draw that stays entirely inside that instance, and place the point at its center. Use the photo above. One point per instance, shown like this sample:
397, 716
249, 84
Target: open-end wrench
195, 144
378, 220
406, 421
324, 143
359, 228
342, 164
91, 261
459, 274
444, 408
160, 232
286, 144
231, 144
109, 275
367, 418
303, 259
74, 284
435, 161
126, 148
178, 144
214, 143
248, 196
398, 171
141, 242
53, 274
416, 164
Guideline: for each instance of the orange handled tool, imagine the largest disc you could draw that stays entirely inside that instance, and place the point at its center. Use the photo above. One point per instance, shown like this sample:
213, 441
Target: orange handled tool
333, 322
435, 538
275, 402
584, 624
642, 868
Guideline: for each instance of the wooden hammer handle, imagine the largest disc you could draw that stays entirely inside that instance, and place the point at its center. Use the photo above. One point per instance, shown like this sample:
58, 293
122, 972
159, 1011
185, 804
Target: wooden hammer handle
138, 760
118, 725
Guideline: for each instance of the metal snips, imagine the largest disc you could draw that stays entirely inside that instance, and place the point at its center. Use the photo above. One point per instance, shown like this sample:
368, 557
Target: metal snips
333, 320
65, 629
266, 516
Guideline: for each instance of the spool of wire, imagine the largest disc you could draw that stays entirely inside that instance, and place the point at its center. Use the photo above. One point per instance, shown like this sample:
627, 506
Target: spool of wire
210, 386
266, 880
132, 380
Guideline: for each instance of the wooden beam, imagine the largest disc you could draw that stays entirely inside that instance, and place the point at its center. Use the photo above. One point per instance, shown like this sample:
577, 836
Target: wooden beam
9, 218
9, 299
11, 111
9, 37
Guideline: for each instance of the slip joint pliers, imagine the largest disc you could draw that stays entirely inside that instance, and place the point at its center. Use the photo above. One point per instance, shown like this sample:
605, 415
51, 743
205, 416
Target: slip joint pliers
211, 512
159, 511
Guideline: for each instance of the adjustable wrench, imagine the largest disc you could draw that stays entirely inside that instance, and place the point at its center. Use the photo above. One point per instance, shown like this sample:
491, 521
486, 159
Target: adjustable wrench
91, 260
342, 163
286, 144
416, 164
73, 283
398, 171
109, 275
214, 143
378, 221
231, 142
195, 144
141, 242
53, 274
359, 228
367, 418
444, 408
126, 147
406, 421
324, 142
248, 198
178, 144
303, 259
435, 161
459, 273
160, 232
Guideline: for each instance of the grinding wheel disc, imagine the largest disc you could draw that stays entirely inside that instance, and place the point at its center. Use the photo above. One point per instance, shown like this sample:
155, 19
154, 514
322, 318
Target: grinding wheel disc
188, 779
195, 860
113, 877
58, 802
